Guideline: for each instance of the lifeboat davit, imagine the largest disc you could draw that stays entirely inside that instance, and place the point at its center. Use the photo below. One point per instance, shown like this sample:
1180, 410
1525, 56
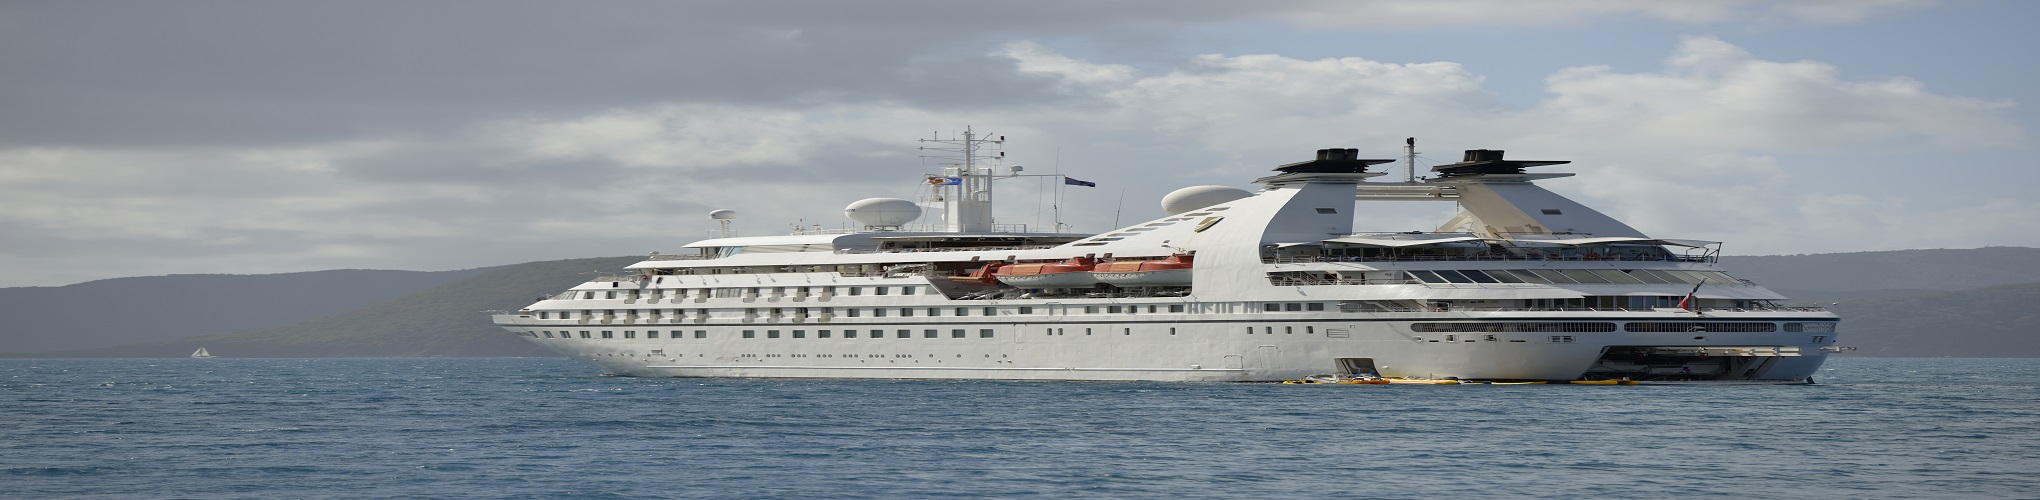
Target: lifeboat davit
1173, 271
983, 276
1072, 273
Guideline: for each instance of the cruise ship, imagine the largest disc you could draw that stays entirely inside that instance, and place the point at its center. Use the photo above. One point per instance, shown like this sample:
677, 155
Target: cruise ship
1521, 284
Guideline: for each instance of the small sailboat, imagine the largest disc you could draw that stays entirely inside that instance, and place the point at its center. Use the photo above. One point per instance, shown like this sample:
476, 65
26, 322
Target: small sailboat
201, 353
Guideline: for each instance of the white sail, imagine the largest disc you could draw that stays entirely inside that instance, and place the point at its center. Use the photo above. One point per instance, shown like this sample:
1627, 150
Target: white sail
201, 353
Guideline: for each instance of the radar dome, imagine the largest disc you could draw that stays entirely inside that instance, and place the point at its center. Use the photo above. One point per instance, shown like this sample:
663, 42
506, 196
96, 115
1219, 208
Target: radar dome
723, 214
1196, 197
882, 212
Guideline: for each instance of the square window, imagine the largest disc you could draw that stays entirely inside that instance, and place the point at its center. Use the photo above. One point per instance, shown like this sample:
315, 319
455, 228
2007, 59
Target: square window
701, 334
851, 312
906, 312
877, 313
1274, 307
985, 333
608, 334
1293, 306
630, 334
1176, 308
1090, 309
905, 334
907, 290
750, 334
878, 290
584, 334
989, 311
934, 311
856, 290
930, 333
1112, 309
800, 334
956, 334
821, 334
1026, 310
1315, 306
772, 334
849, 334
962, 311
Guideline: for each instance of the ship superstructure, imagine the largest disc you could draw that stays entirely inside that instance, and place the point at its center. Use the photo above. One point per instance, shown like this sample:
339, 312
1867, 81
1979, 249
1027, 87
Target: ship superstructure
1521, 285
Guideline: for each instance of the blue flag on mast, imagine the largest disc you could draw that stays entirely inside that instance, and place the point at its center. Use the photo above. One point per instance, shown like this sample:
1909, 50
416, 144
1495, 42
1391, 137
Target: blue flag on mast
1074, 182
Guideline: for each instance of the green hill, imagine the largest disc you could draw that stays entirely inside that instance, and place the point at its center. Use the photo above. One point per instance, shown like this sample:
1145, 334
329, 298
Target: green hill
123, 311
446, 320
1996, 321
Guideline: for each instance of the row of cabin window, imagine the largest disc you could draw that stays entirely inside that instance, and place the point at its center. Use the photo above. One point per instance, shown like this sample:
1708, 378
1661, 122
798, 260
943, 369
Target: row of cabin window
956, 333
1269, 330
1576, 276
729, 293
1087, 331
1293, 306
879, 312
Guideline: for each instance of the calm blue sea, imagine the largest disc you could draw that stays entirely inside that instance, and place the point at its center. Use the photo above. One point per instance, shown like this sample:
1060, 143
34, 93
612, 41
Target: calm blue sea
352, 428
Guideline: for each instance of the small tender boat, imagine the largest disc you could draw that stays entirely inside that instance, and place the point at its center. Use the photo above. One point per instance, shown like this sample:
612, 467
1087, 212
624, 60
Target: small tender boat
201, 353
1073, 273
1174, 270
1335, 379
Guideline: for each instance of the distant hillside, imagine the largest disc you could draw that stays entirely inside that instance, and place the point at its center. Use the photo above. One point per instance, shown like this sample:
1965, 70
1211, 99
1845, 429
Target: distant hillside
1997, 321
1903, 270
121, 311
1960, 303
446, 320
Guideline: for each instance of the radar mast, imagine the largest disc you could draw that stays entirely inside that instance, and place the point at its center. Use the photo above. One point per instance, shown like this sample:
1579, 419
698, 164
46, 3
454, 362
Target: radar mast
964, 187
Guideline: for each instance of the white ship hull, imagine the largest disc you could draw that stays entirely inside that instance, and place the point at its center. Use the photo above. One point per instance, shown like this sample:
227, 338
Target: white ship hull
1167, 277
1277, 293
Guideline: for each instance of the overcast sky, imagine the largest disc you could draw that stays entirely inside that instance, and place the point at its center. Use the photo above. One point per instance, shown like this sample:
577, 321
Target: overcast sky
148, 138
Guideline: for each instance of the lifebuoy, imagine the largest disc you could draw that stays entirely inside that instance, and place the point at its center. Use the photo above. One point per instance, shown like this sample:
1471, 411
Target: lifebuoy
1593, 256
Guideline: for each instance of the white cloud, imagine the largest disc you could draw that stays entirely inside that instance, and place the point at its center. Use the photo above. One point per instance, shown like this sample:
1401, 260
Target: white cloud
1717, 95
1394, 14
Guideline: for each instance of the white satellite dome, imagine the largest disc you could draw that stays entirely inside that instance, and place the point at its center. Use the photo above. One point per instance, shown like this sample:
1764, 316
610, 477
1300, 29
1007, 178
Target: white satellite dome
723, 214
882, 212
1196, 197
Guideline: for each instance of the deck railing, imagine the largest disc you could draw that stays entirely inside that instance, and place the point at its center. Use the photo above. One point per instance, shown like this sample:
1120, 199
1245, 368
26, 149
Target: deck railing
1305, 259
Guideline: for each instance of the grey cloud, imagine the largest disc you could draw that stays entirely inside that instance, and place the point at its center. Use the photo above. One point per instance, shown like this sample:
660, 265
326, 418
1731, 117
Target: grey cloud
231, 72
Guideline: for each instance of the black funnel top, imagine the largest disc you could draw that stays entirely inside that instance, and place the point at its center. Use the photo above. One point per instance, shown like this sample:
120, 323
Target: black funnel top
1488, 161
1332, 161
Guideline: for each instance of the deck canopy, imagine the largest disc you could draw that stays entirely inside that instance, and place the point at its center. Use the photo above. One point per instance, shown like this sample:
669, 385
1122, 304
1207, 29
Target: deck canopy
1402, 240
1558, 241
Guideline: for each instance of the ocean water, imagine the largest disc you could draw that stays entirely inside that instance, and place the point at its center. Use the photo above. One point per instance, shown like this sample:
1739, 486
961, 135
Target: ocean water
547, 428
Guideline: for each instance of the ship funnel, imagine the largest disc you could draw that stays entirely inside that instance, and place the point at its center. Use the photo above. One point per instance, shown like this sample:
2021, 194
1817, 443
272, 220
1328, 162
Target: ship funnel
1338, 154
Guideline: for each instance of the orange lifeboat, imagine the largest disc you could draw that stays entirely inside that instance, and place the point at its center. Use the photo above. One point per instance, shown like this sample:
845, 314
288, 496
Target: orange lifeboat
1173, 271
1072, 273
